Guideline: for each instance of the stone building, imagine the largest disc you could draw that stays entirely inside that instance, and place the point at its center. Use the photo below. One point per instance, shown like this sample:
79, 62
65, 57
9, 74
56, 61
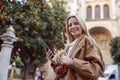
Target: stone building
103, 21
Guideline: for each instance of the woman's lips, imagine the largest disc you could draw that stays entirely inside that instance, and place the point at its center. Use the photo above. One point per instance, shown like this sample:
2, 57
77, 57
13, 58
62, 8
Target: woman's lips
74, 30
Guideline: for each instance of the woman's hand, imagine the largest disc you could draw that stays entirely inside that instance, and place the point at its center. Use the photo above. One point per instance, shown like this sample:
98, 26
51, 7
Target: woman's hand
66, 60
50, 56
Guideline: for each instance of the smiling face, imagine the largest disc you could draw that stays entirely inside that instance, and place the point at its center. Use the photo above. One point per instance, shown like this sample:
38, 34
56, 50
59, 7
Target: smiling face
74, 27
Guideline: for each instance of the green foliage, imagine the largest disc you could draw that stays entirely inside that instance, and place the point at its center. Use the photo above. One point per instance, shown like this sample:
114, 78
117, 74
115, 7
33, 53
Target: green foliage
18, 76
17, 60
33, 21
115, 50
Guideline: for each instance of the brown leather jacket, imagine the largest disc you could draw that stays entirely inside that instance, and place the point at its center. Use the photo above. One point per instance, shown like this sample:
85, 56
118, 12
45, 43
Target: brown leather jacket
87, 59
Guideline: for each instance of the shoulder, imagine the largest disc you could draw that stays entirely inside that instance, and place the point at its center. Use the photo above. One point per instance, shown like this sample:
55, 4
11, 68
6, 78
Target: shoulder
89, 40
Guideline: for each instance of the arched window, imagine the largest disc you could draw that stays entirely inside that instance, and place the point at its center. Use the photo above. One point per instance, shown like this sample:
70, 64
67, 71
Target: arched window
97, 12
106, 11
89, 12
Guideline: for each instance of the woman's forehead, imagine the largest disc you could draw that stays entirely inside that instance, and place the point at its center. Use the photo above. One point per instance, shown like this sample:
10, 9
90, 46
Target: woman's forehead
72, 19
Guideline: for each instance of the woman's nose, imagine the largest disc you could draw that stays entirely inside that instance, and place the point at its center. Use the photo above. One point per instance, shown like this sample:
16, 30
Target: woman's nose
73, 25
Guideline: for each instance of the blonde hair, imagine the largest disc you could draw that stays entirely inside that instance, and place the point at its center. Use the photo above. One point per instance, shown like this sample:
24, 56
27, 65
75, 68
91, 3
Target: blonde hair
81, 22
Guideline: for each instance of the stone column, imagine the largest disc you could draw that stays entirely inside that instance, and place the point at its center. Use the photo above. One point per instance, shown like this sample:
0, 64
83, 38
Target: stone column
113, 9
83, 9
6, 49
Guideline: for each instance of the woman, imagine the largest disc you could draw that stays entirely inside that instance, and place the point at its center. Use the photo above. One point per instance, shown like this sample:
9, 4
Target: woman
82, 59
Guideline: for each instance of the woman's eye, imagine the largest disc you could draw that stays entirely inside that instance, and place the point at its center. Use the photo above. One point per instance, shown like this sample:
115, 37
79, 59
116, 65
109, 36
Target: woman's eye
76, 23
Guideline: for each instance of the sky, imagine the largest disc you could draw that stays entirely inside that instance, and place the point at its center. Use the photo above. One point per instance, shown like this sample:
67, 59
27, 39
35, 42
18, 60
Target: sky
20, 0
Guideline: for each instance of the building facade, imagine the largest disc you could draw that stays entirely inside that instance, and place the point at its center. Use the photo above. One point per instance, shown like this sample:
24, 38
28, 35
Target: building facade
103, 21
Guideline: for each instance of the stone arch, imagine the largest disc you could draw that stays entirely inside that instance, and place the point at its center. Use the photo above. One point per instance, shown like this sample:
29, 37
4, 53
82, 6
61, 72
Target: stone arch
102, 36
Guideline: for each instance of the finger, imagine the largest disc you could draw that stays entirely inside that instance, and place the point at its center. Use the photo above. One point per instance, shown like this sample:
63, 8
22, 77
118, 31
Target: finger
50, 54
45, 49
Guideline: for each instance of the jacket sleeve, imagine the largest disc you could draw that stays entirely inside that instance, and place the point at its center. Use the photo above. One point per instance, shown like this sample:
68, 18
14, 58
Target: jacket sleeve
92, 66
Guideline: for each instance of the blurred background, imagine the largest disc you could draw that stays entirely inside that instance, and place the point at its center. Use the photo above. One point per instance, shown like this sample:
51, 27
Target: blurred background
37, 20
